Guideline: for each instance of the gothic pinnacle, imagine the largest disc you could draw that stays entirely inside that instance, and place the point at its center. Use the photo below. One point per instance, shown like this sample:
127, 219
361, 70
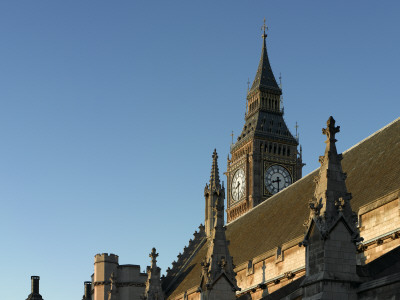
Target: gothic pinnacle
153, 289
214, 178
331, 198
218, 260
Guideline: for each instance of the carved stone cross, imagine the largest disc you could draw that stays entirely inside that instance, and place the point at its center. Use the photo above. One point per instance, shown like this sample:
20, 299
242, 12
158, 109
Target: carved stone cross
330, 129
153, 255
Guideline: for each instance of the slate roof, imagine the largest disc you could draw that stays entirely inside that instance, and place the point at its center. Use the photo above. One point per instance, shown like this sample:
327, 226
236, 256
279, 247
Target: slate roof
265, 79
266, 125
372, 167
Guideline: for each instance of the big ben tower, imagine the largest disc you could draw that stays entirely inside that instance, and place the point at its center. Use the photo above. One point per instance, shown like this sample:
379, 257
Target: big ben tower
264, 160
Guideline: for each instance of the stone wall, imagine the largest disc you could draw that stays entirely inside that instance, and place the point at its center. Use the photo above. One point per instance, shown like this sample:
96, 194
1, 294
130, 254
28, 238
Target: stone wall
387, 288
379, 223
272, 270
130, 282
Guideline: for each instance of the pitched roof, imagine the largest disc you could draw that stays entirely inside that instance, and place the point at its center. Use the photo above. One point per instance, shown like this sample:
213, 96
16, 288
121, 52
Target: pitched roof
372, 168
265, 125
265, 78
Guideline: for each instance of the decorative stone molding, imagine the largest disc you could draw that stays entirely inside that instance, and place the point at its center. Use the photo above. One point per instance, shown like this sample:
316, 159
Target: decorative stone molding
120, 284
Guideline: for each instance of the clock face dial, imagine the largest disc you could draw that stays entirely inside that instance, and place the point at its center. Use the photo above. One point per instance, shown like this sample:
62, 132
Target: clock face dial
277, 178
238, 184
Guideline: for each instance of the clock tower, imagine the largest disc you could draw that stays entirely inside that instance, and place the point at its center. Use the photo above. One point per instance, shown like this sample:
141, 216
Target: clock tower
264, 160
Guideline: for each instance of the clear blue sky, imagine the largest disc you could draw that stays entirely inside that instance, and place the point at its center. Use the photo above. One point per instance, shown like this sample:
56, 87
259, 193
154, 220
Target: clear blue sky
110, 111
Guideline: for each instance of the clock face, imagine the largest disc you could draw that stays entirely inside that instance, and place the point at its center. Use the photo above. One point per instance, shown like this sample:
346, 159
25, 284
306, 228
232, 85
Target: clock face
238, 184
277, 178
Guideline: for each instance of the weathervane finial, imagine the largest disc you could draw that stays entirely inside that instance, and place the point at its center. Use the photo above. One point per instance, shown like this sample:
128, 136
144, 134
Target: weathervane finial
264, 28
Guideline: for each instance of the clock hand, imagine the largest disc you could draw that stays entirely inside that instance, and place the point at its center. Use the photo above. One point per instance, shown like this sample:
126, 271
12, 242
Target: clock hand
277, 181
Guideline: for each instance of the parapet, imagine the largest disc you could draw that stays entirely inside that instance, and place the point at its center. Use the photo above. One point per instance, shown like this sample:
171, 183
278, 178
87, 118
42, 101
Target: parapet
184, 258
105, 257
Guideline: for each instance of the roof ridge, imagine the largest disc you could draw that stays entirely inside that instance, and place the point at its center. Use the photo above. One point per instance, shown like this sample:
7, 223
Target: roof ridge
372, 135
312, 172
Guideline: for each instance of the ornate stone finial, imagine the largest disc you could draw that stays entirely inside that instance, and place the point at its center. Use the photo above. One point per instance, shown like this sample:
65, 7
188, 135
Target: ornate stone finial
331, 130
153, 256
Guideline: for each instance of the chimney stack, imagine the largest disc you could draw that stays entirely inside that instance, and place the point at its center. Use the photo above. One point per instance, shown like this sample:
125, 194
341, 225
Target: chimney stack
34, 295
35, 284
88, 289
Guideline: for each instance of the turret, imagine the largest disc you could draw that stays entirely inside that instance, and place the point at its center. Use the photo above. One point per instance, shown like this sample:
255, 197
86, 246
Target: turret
104, 265
34, 295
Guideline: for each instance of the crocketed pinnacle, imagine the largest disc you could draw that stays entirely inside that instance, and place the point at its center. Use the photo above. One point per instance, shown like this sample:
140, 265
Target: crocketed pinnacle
331, 199
153, 289
218, 261
214, 178
265, 79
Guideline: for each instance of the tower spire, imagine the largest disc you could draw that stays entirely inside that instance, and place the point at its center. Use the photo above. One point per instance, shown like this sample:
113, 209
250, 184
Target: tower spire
265, 79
